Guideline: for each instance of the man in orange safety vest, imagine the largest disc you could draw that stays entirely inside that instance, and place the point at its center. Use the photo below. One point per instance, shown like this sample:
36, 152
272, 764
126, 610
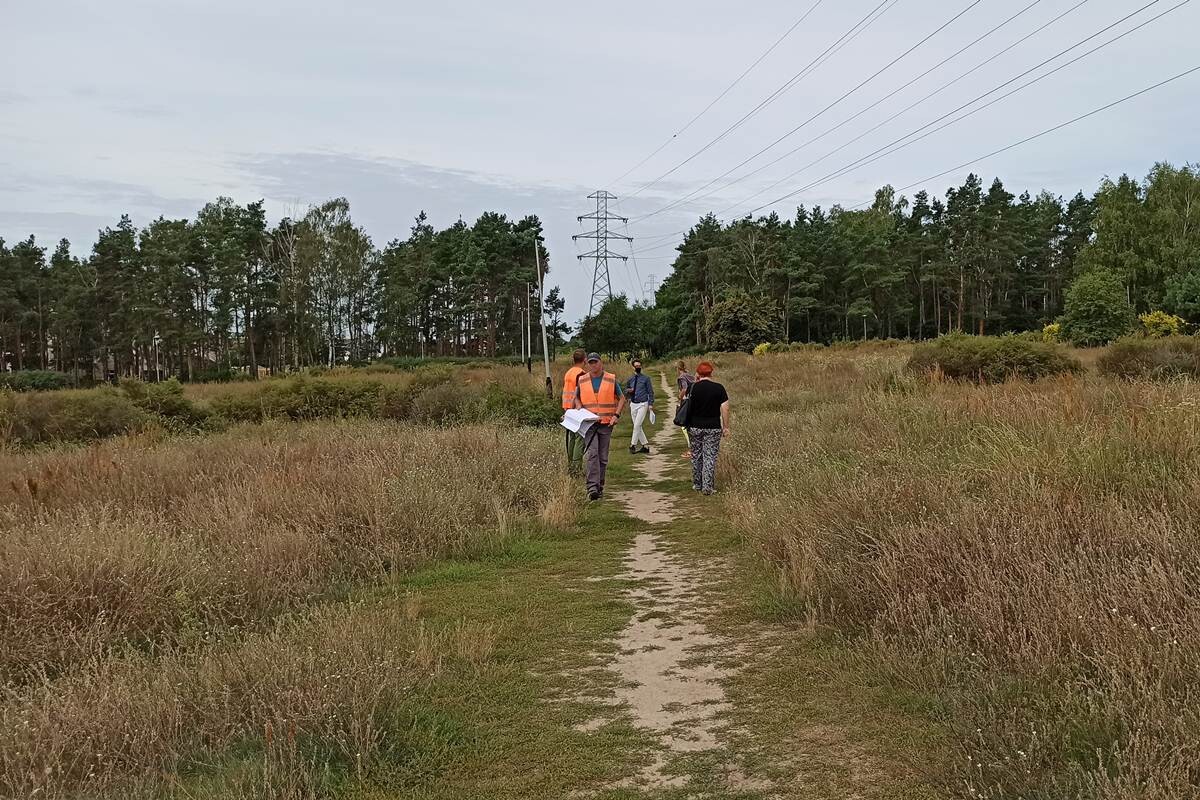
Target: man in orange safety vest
569, 390
600, 393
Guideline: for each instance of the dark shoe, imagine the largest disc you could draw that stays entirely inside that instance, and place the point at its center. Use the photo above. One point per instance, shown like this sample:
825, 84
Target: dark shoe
632, 449
645, 450
594, 496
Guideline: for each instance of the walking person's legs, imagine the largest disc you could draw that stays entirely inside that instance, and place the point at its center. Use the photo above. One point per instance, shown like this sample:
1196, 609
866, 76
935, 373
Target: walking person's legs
596, 458
638, 412
697, 459
574, 453
712, 448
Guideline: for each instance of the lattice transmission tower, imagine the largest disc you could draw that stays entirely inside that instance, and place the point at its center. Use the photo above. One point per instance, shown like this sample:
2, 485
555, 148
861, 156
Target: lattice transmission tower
601, 283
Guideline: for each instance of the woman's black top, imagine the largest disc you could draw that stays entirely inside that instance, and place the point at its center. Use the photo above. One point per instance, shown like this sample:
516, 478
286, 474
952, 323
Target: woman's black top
704, 404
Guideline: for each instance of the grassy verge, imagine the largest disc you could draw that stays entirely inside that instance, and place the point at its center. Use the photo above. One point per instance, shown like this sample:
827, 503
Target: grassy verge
1017, 561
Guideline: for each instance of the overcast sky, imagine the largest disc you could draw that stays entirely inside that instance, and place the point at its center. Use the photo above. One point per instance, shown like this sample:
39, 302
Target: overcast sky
153, 108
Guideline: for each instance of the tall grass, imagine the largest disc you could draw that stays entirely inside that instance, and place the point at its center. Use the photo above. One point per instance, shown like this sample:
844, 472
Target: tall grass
147, 544
1023, 557
294, 713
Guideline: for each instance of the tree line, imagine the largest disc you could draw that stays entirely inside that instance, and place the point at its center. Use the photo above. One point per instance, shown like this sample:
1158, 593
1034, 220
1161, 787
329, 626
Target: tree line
977, 260
226, 290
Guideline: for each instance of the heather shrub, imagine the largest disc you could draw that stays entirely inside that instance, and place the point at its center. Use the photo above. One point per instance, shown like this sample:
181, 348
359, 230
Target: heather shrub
992, 359
519, 407
397, 401
73, 416
1152, 358
442, 404
34, 380
165, 400
301, 398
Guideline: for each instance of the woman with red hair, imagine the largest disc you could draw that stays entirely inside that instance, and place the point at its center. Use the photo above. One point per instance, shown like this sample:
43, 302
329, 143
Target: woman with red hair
707, 421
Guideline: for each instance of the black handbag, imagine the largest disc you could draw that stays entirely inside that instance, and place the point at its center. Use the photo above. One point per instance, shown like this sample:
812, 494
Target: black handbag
681, 413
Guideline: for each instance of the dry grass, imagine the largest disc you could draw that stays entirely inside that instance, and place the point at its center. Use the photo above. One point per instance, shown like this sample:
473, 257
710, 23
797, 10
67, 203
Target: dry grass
284, 714
1024, 556
146, 543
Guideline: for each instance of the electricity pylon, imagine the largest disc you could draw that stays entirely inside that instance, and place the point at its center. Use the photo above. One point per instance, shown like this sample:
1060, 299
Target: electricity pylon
601, 284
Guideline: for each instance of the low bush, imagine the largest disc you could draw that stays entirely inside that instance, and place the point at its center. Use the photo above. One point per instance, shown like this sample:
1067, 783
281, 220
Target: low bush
410, 363
792, 347
503, 404
219, 375
435, 395
301, 398
34, 380
992, 359
72, 416
1052, 332
1158, 324
873, 344
442, 404
165, 400
1155, 359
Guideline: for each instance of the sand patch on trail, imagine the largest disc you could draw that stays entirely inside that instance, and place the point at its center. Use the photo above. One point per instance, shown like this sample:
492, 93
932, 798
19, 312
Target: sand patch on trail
665, 685
647, 505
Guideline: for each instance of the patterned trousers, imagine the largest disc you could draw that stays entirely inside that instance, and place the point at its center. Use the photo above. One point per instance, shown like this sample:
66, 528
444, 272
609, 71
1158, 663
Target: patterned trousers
706, 444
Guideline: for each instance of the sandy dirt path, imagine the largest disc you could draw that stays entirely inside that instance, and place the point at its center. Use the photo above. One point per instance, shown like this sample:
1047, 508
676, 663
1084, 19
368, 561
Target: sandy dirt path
668, 661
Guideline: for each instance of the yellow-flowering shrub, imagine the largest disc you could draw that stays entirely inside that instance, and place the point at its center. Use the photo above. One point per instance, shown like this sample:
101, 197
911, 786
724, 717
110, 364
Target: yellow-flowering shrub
1158, 324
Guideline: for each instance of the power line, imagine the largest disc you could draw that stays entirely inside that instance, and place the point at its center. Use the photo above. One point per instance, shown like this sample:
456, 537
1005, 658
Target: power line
899, 144
908, 108
815, 116
1050, 130
884, 99
844, 39
913, 105
1027, 139
718, 98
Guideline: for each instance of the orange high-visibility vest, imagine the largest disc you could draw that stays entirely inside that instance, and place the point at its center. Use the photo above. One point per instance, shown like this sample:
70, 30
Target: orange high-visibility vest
570, 385
602, 403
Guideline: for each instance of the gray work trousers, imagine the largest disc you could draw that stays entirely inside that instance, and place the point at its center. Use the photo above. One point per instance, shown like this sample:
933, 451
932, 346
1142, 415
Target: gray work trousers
595, 457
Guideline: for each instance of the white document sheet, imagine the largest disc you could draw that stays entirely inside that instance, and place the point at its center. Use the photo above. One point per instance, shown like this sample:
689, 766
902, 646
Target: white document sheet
579, 420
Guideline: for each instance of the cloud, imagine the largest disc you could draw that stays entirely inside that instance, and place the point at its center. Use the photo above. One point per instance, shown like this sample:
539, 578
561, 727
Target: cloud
142, 110
120, 195
50, 226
